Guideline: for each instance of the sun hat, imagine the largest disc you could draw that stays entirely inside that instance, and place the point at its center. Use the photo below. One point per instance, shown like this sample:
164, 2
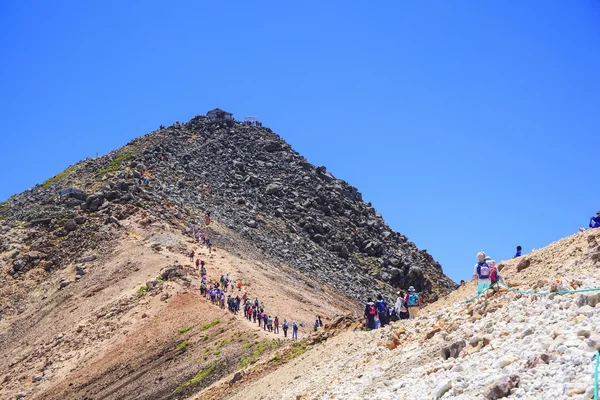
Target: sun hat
411, 289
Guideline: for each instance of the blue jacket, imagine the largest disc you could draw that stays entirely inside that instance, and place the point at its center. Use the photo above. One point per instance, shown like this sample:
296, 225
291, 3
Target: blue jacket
595, 222
518, 254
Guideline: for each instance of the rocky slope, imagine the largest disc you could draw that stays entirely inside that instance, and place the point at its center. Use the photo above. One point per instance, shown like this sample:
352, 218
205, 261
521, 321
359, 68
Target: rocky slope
83, 314
254, 183
503, 345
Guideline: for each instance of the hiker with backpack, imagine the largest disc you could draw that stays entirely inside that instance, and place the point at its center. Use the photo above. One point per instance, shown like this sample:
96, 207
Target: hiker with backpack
285, 327
401, 307
276, 325
370, 312
482, 273
413, 303
381, 311
294, 330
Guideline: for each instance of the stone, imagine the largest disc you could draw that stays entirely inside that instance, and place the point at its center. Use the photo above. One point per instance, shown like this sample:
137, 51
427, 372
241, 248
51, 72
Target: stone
526, 332
252, 224
441, 389
524, 263
89, 258
593, 299
593, 341
80, 220
453, 351
20, 395
502, 387
64, 283
507, 360
537, 360
237, 377
273, 188
70, 225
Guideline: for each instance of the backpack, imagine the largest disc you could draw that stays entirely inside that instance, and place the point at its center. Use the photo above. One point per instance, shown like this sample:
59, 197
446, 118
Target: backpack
413, 299
494, 275
381, 306
372, 310
483, 270
285, 325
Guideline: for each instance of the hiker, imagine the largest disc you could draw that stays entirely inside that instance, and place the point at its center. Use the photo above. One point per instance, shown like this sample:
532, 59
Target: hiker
250, 313
370, 312
276, 325
401, 307
518, 253
192, 254
294, 330
233, 285
318, 323
265, 321
270, 323
381, 310
413, 303
202, 289
197, 262
594, 222
285, 328
482, 273
239, 286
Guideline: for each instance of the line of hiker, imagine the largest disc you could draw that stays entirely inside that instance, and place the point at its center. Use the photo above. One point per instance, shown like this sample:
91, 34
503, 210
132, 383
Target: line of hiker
201, 237
379, 314
253, 310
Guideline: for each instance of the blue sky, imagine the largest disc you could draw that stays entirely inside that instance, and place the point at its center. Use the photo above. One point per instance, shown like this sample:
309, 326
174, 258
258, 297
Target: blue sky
470, 125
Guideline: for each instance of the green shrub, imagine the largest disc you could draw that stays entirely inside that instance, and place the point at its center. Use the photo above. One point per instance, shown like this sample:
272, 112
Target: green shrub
203, 373
142, 290
184, 329
210, 325
182, 345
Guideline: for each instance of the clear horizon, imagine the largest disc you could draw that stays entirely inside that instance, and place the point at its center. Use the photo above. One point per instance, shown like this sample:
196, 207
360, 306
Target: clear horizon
470, 127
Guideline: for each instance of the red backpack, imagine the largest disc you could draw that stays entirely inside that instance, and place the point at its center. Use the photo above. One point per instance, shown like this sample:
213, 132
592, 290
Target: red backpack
372, 310
494, 275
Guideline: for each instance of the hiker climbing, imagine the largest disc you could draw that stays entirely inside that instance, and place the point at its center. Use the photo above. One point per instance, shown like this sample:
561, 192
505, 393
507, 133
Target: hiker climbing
401, 307
294, 330
285, 328
594, 222
382, 311
482, 273
370, 312
518, 253
413, 303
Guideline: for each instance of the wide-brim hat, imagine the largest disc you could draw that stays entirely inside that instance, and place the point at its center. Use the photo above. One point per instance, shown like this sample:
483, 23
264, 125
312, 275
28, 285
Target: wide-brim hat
411, 289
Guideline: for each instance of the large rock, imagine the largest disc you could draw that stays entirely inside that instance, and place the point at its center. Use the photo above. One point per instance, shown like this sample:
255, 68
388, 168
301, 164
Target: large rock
453, 351
524, 263
502, 387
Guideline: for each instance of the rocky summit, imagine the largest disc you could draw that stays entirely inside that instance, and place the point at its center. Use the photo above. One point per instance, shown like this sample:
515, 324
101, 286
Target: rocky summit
248, 179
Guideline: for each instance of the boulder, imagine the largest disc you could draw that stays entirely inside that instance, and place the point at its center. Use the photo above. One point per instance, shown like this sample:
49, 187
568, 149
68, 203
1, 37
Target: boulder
502, 387
524, 263
453, 351
70, 225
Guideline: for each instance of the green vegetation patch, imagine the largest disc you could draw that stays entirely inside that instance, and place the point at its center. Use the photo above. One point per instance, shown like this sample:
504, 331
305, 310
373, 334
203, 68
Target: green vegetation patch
210, 325
183, 345
203, 373
259, 349
185, 329
114, 165
57, 178
142, 290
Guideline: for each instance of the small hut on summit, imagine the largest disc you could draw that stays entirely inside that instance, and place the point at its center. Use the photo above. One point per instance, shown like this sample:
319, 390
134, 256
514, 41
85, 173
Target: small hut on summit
219, 115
